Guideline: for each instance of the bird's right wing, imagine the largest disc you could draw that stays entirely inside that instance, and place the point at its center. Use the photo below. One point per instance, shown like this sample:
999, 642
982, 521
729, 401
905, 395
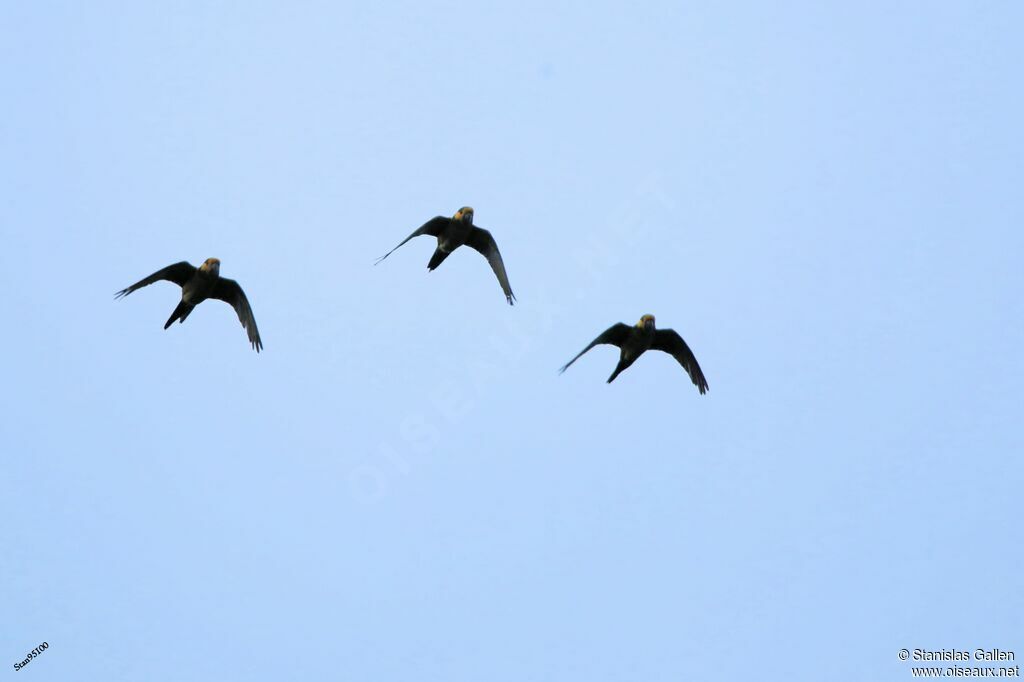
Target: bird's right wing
432, 227
179, 273
669, 341
614, 335
230, 292
481, 240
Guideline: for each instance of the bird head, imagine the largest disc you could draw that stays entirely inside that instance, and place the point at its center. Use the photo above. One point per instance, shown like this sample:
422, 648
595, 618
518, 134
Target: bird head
646, 322
211, 266
464, 214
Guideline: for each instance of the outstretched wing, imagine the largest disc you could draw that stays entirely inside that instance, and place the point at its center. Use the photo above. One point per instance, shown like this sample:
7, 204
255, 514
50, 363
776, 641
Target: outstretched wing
229, 291
669, 341
433, 227
614, 335
179, 273
481, 240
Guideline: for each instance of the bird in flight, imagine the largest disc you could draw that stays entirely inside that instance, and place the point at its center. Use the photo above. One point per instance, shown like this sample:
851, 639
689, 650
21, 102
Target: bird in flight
452, 233
633, 341
199, 284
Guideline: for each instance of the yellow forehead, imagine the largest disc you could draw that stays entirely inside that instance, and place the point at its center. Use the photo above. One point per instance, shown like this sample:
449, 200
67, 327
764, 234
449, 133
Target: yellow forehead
644, 319
463, 211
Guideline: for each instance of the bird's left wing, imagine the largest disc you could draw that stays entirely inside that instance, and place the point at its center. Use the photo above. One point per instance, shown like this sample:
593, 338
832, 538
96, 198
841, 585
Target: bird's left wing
670, 342
179, 273
614, 335
228, 290
432, 227
481, 240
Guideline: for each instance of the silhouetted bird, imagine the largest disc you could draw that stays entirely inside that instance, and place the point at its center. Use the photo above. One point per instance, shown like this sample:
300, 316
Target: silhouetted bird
452, 233
633, 341
199, 284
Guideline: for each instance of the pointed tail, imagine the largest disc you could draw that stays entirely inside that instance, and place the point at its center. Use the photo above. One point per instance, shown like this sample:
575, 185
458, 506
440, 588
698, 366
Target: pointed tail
618, 369
437, 258
181, 312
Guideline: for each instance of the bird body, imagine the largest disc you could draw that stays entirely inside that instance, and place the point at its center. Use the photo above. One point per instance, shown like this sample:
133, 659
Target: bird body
452, 237
636, 344
199, 284
636, 340
196, 289
459, 230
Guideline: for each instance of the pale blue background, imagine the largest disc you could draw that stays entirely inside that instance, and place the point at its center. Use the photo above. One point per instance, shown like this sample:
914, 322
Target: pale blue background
823, 198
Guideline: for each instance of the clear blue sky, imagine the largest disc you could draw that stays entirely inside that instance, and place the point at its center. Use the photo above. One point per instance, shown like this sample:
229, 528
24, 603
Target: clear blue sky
824, 199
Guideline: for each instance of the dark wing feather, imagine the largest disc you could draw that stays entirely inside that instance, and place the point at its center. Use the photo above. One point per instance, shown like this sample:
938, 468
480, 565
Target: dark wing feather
615, 335
481, 240
669, 341
433, 227
179, 273
229, 291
